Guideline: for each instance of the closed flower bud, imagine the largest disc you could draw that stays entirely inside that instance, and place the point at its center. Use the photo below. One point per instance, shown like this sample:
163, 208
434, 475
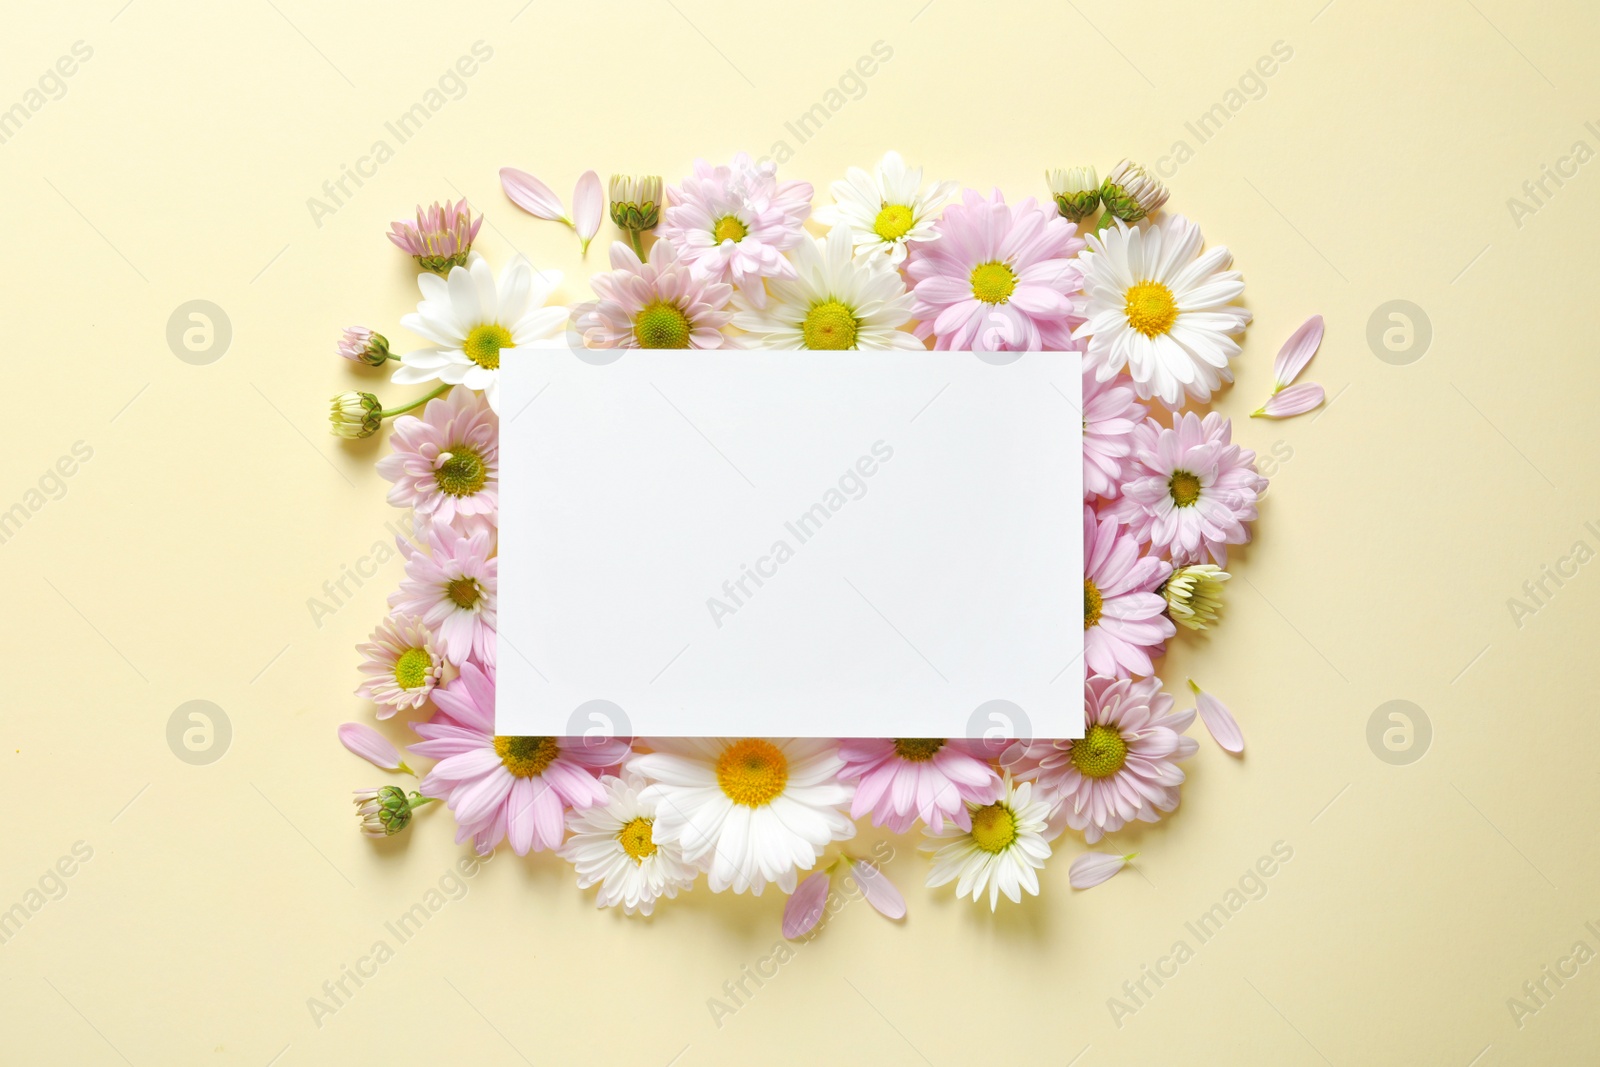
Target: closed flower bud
386, 811
1194, 595
356, 415
1130, 192
440, 238
635, 202
1076, 191
361, 345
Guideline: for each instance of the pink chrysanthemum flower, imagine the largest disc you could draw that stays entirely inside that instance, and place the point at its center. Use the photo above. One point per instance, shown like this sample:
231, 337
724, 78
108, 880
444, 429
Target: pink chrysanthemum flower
440, 238
452, 588
657, 303
1123, 768
361, 345
733, 223
446, 465
402, 664
1123, 620
1190, 490
1111, 413
999, 278
903, 779
501, 787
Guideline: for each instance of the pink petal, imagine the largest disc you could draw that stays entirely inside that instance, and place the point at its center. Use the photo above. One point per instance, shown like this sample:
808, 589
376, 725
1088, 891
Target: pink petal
1295, 400
531, 195
804, 908
371, 746
1092, 868
1219, 720
588, 207
1297, 351
878, 890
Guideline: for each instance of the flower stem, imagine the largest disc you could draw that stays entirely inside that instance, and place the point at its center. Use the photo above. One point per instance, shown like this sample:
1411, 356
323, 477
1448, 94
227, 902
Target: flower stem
638, 246
389, 413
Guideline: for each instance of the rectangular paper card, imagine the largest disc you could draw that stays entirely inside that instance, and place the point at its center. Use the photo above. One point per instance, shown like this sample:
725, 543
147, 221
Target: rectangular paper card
781, 544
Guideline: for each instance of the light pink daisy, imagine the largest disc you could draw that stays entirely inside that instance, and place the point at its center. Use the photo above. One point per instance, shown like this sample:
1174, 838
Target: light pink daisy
402, 664
501, 787
903, 779
1190, 490
657, 303
999, 278
1111, 413
441, 237
446, 465
452, 588
1123, 768
733, 223
1123, 620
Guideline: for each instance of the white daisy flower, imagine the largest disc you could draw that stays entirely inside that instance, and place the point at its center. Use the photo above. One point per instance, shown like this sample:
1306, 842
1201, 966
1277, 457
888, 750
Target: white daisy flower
834, 301
748, 810
886, 210
614, 843
1008, 841
472, 321
1161, 309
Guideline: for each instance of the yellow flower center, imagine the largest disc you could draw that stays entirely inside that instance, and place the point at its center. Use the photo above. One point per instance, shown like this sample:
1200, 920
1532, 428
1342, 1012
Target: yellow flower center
463, 471
1091, 604
729, 228
411, 669
464, 592
892, 222
526, 757
1184, 487
830, 325
661, 325
994, 828
637, 840
752, 772
484, 343
993, 283
1150, 308
1100, 753
918, 749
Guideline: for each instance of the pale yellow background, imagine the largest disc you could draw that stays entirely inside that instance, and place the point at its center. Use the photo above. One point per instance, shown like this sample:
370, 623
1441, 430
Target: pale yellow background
1376, 166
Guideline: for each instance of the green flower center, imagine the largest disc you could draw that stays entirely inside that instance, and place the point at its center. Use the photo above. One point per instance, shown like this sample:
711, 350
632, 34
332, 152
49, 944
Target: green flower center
463, 471
526, 757
993, 283
917, 749
1184, 487
892, 222
637, 840
1091, 604
729, 228
830, 325
1150, 308
411, 669
661, 325
464, 592
1100, 753
994, 828
484, 343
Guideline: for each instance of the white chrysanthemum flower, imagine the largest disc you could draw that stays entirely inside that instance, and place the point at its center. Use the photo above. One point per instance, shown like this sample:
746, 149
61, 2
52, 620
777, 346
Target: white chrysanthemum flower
1009, 840
1161, 309
749, 810
834, 301
886, 210
614, 843
472, 321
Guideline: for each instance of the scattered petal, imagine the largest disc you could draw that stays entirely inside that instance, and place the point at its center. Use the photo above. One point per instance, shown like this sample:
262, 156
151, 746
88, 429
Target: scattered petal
371, 746
1218, 719
1297, 351
1092, 868
878, 890
1293, 400
804, 908
532, 195
588, 207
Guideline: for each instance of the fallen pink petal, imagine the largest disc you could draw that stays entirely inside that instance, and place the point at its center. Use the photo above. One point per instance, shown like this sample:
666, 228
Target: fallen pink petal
804, 908
1092, 868
878, 890
588, 208
1297, 352
1218, 719
1294, 400
371, 746
532, 195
